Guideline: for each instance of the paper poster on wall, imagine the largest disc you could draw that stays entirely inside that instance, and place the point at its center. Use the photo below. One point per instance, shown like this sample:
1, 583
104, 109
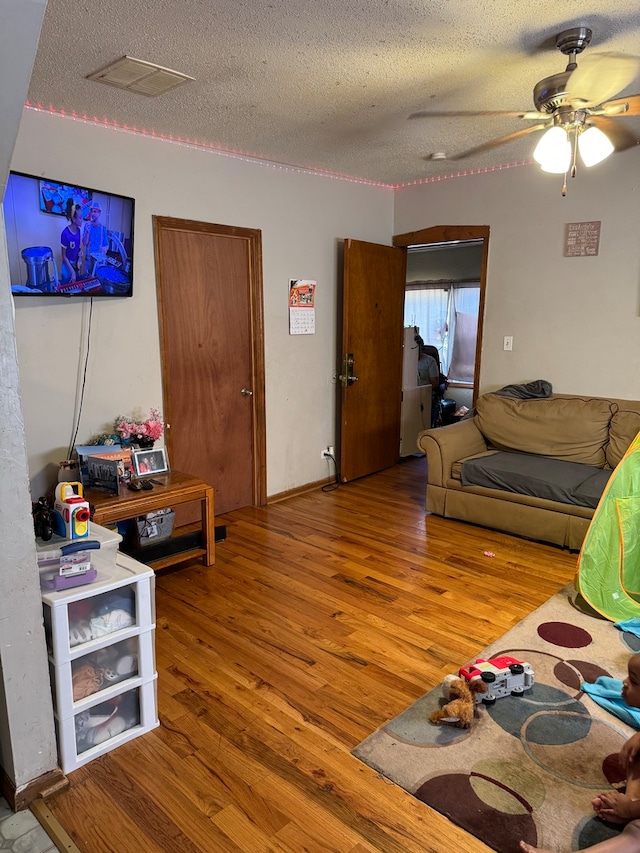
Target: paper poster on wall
582, 239
302, 311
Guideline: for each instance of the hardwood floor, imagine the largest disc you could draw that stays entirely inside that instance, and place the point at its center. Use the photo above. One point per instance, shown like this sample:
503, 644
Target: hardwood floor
325, 615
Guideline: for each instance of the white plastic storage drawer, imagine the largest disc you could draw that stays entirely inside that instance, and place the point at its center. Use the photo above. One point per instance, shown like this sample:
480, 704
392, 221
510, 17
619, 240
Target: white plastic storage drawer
106, 725
118, 605
102, 674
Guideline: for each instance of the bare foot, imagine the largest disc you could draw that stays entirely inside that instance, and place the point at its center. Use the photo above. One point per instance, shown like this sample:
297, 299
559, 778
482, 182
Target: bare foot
527, 848
613, 807
599, 805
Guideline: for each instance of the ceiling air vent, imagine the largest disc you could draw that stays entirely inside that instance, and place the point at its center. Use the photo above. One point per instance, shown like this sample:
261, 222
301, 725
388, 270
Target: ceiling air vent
136, 75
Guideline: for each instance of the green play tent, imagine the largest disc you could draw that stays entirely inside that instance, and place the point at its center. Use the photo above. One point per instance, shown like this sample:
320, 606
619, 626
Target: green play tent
608, 575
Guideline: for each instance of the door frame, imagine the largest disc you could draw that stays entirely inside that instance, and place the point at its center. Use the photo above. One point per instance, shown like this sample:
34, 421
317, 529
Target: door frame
252, 237
452, 234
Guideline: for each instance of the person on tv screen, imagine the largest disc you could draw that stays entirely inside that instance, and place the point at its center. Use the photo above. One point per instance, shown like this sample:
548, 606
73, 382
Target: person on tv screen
95, 238
71, 244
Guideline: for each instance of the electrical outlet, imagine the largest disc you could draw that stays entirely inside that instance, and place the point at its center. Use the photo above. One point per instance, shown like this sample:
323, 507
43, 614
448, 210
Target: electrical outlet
327, 453
508, 343
330, 451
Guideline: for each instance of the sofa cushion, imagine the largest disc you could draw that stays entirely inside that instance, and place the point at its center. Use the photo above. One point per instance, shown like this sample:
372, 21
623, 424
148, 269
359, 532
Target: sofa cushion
574, 430
538, 476
456, 468
623, 429
589, 492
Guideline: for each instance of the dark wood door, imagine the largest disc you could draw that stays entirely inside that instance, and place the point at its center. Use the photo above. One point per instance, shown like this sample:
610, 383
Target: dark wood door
211, 332
372, 333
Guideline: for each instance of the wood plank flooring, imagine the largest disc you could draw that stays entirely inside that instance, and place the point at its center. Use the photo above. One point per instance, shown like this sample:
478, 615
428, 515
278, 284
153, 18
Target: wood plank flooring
325, 615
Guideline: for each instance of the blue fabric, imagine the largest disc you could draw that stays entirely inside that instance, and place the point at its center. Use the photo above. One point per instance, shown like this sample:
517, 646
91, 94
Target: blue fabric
631, 626
607, 692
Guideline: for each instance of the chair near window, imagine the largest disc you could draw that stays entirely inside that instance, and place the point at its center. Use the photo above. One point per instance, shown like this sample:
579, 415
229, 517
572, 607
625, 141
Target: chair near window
441, 410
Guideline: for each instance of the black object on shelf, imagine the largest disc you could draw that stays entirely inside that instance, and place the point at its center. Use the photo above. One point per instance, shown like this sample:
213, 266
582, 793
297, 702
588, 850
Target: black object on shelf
165, 548
171, 546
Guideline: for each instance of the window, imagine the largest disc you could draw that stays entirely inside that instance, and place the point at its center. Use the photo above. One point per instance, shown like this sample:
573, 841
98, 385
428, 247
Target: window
447, 315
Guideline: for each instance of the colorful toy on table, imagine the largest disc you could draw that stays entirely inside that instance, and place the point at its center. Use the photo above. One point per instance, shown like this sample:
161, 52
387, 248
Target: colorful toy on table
71, 512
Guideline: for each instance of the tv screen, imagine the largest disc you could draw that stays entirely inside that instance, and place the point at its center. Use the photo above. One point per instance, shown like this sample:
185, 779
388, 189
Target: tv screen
67, 240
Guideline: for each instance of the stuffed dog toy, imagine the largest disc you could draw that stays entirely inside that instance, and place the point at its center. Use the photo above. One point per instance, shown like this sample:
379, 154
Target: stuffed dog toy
461, 701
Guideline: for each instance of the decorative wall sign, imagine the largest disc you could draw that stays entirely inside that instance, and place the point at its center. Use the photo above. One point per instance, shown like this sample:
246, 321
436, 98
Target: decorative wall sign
582, 239
302, 311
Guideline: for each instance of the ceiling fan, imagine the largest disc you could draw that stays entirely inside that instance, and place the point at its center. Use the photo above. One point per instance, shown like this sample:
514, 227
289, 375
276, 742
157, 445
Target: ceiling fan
576, 108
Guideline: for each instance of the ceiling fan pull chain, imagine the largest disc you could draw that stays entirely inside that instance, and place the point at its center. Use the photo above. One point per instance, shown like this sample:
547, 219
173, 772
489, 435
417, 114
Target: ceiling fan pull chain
564, 186
575, 153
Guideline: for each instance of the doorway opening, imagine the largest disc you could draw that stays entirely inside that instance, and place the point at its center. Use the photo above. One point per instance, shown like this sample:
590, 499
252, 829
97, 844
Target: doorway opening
442, 301
446, 284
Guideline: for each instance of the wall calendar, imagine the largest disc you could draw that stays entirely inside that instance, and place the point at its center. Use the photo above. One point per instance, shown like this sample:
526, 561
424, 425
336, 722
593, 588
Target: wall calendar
302, 311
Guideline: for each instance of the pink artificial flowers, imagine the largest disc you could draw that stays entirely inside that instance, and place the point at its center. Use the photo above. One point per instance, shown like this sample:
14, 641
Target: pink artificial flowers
152, 427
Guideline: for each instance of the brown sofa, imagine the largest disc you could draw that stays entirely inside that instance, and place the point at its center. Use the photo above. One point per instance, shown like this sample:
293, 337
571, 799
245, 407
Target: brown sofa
528, 489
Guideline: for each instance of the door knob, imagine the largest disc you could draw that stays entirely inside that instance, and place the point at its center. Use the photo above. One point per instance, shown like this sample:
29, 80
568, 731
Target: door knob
247, 392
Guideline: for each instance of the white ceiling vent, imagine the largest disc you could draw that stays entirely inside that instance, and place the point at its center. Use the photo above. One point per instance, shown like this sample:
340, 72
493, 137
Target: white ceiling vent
139, 76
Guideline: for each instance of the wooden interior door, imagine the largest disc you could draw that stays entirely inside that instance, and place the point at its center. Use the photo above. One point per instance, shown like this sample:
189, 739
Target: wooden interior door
372, 334
209, 282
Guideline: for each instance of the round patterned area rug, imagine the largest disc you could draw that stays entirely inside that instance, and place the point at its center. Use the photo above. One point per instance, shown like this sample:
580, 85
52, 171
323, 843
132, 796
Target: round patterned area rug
530, 765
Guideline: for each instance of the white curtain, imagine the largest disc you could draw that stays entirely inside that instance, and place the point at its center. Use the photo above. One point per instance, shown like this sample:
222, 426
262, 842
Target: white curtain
427, 309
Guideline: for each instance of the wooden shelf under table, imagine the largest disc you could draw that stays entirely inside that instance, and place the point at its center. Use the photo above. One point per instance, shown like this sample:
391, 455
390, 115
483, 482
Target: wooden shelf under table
176, 488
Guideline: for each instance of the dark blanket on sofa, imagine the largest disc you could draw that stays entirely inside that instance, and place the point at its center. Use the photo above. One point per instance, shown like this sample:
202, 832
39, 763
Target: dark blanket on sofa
538, 476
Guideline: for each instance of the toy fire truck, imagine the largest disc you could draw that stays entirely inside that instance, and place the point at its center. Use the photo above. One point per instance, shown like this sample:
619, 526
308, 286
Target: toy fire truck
504, 676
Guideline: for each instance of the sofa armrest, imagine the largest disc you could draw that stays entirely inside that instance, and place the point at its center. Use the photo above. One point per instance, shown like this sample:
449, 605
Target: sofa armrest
446, 445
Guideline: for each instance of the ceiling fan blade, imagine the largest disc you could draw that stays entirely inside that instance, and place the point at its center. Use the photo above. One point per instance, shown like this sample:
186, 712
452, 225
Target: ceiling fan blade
620, 134
501, 140
529, 114
632, 101
600, 76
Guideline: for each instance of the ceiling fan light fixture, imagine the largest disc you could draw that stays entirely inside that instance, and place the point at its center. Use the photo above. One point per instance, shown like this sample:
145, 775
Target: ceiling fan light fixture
594, 146
553, 151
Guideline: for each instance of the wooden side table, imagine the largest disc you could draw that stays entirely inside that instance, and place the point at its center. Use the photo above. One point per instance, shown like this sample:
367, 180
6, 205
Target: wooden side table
176, 488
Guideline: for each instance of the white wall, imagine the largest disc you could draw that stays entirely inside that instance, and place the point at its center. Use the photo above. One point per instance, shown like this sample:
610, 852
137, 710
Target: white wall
303, 219
574, 321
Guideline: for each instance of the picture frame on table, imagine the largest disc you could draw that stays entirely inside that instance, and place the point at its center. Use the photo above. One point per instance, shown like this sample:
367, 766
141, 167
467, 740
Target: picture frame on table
104, 467
148, 462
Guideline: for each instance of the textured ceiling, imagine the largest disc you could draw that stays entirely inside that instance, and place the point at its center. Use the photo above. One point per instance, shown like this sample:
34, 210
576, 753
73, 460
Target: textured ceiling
327, 84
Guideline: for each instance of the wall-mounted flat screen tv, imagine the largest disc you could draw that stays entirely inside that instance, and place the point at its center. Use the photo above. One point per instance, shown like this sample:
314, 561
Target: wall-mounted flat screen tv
67, 240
